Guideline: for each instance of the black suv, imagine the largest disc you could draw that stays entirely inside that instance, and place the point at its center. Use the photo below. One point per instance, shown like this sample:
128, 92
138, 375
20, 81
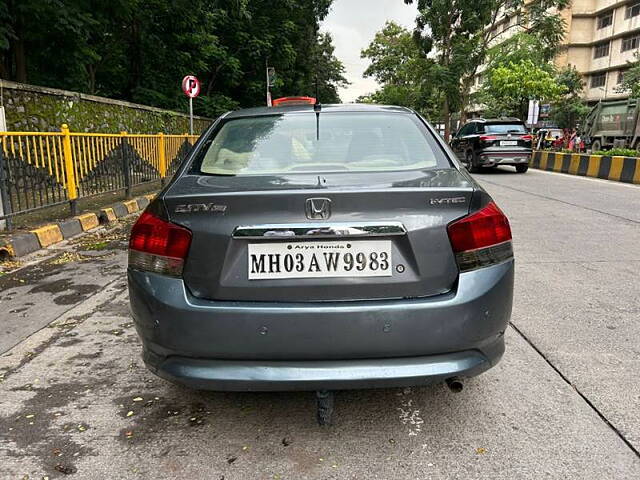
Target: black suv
492, 142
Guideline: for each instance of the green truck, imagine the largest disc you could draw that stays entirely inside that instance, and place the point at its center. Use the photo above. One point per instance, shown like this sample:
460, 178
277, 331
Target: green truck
613, 124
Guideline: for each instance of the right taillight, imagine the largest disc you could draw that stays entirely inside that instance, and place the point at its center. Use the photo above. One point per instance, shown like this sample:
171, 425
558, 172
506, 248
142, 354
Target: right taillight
481, 239
158, 246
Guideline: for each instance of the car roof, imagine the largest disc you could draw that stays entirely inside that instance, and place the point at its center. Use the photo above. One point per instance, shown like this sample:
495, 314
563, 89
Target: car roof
497, 120
338, 107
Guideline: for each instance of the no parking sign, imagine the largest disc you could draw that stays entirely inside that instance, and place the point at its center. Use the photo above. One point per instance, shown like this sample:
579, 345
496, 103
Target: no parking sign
191, 86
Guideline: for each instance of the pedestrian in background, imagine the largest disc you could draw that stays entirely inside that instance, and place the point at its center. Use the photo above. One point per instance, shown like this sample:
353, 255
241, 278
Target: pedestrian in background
578, 143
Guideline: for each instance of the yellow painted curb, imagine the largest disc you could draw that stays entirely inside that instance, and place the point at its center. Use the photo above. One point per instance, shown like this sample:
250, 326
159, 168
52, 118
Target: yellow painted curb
88, 221
636, 176
109, 213
48, 235
132, 206
543, 160
594, 166
616, 168
150, 196
575, 163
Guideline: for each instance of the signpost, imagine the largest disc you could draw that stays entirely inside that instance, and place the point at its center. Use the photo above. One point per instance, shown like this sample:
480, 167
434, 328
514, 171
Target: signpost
271, 77
191, 88
534, 112
3, 120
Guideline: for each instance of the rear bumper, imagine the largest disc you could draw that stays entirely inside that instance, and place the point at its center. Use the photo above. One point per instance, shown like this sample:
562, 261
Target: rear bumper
288, 346
518, 157
236, 375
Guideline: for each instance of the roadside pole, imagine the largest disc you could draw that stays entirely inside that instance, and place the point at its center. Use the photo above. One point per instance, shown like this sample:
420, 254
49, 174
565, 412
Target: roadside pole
5, 205
69, 170
126, 165
271, 73
191, 88
190, 115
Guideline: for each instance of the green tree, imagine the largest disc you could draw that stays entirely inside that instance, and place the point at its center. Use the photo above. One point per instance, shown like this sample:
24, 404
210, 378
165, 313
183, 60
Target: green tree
509, 88
448, 30
139, 50
328, 70
631, 80
535, 31
569, 110
405, 75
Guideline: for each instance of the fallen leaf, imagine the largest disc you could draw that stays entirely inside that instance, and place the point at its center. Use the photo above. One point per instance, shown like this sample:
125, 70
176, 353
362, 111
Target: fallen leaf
230, 460
481, 451
138, 399
66, 469
129, 413
286, 442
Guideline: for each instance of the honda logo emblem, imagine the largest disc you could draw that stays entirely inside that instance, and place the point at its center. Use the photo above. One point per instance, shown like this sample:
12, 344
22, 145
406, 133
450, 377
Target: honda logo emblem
318, 208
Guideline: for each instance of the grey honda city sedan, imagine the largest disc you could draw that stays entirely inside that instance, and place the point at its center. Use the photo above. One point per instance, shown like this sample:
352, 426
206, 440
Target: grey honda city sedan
321, 247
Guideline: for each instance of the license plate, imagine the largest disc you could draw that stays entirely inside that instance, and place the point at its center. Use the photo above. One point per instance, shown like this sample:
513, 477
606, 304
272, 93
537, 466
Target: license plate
508, 143
362, 258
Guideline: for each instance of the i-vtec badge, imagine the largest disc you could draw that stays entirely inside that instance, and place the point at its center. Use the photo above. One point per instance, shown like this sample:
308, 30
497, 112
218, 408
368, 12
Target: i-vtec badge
200, 207
447, 200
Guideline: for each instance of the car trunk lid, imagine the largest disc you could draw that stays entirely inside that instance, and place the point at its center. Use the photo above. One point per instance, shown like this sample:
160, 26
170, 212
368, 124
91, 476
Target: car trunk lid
402, 213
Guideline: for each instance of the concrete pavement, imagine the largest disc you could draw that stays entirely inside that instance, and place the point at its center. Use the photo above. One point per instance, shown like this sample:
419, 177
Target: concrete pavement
76, 400
578, 249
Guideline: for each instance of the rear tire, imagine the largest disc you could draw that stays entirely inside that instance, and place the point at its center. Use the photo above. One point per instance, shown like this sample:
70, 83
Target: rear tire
522, 168
595, 146
470, 163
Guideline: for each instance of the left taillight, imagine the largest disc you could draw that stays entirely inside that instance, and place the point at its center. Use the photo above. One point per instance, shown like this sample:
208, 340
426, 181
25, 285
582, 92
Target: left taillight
158, 246
481, 239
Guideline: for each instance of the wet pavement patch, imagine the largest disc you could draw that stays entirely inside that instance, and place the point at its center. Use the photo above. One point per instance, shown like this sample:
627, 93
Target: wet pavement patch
117, 308
33, 430
152, 416
30, 275
29, 356
70, 343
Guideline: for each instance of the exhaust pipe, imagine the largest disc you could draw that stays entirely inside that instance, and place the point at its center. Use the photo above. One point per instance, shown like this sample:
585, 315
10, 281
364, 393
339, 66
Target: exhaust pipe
455, 384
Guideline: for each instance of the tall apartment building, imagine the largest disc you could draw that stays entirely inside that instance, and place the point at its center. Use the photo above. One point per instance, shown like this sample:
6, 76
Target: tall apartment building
602, 36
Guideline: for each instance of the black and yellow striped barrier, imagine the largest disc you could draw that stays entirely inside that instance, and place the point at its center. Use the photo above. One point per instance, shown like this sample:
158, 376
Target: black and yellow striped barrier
50, 234
619, 169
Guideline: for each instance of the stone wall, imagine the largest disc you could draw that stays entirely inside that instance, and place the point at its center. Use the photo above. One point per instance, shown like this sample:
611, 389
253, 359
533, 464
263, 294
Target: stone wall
29, 108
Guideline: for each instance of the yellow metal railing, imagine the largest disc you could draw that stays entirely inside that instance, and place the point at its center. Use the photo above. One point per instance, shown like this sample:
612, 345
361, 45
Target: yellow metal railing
39, 169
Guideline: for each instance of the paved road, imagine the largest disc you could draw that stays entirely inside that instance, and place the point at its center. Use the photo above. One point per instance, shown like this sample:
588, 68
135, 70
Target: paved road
563, 403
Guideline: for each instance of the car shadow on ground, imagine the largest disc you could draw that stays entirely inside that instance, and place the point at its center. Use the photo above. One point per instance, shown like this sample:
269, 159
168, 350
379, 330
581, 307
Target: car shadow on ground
390, 409
498, 171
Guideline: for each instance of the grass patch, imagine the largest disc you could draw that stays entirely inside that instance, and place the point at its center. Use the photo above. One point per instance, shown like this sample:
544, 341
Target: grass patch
96, 246
618, 152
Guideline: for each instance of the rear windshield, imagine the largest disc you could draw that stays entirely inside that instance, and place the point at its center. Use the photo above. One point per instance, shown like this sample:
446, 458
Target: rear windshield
504, 128
337, 142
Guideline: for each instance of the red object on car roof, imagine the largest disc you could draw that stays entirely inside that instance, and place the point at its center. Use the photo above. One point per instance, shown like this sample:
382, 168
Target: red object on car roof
294, 101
